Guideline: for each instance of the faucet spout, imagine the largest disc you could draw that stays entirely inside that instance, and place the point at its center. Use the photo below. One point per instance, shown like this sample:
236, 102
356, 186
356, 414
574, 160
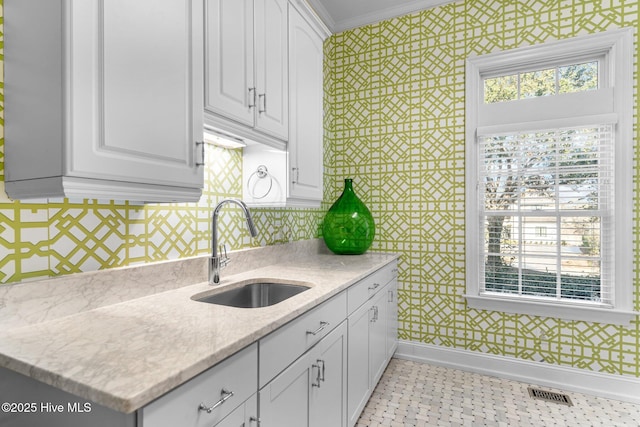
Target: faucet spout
216, 262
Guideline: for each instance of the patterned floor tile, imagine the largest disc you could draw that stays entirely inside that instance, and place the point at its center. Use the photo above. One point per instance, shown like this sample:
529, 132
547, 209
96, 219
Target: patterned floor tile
418, 394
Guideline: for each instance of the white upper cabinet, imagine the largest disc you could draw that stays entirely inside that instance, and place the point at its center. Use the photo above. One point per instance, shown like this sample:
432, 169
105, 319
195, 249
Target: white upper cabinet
229, 76
272, 78
296, 174
246, 74
306, 102
104, 99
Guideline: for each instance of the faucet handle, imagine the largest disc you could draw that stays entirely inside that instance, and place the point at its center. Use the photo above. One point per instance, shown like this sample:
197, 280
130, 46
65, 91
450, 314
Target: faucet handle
224, 258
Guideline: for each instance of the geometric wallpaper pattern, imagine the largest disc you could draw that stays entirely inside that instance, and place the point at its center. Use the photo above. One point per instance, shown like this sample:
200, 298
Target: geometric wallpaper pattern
396, 125
394, 122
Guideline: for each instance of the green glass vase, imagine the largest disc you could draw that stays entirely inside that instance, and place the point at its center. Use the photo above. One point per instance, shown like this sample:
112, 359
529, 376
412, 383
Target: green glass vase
348, 227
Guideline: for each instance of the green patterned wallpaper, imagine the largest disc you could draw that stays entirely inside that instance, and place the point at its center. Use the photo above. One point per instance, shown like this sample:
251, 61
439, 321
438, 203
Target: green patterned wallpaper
396, 126
47, 238
394, 121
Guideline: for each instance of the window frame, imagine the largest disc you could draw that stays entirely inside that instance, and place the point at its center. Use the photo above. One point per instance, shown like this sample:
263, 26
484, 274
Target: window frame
613, 100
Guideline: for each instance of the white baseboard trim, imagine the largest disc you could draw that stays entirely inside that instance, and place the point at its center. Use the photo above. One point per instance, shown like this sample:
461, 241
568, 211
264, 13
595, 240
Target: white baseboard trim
616, 387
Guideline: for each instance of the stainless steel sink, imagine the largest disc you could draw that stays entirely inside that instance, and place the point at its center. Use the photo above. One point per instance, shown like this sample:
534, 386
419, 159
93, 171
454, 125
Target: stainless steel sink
254, 295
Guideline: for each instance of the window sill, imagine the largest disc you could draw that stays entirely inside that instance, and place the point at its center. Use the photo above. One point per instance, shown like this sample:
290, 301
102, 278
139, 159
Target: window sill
549, 309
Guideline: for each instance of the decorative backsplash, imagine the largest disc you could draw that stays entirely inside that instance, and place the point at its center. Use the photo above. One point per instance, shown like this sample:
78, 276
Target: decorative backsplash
397, 127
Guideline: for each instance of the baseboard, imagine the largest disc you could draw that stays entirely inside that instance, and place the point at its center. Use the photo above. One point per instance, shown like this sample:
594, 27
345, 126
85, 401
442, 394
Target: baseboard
616, 387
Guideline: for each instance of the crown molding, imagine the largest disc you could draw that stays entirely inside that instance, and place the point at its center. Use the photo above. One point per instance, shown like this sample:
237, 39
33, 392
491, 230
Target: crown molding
337, 25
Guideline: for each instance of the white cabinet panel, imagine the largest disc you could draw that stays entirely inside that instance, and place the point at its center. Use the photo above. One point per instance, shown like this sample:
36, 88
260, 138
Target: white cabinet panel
246, 70
378, 336
392, 317
299, 170
306, 100
245, 415
272, 76
284, 402
312, 391
359, 379
328, 401
131, 90
372, 335
222, 388
286, 344
229, 66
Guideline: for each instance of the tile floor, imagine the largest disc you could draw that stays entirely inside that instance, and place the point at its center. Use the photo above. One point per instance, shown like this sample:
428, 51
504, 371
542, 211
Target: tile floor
417, 394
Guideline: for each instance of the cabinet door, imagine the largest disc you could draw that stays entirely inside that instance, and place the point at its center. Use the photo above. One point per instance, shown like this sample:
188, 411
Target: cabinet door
312, 391
135, 91
378, 336
222, 388
245, 415
306, 96
284, 402
230, 89
358, 362
272, 75
392, 317
328, 405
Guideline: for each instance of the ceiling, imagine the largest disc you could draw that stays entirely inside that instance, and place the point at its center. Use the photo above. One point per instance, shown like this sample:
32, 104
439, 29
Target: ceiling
340, 15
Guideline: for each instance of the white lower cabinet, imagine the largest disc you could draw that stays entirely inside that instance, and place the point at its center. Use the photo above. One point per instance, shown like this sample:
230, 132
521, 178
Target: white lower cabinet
378, 336
318, 370
372, 337
312, 391
215, 397
360, 386
392, 317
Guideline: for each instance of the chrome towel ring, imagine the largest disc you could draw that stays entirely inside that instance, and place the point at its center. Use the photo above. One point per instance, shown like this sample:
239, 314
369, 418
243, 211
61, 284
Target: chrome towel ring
260, 173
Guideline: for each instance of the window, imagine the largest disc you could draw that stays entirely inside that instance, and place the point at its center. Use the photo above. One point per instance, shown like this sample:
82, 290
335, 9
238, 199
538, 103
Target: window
549, 175
542, 82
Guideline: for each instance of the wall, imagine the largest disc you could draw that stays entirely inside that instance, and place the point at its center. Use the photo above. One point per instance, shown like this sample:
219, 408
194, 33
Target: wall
395, 122
54, 237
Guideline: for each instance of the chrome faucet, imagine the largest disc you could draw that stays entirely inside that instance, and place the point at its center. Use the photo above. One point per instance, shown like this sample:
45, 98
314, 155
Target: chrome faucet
217, 262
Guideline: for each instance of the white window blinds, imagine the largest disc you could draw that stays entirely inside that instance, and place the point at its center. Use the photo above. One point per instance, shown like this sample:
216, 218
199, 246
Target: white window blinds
546, 210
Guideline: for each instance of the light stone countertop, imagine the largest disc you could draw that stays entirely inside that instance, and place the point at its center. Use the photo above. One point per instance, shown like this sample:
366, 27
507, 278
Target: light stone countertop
125, 353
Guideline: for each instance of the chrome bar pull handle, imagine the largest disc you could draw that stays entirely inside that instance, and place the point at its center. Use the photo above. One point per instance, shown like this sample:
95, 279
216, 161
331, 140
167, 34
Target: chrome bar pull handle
317, 383
224, 396
201, 145
320, 329
252, 97
375, 314
254, 420
374, 287
320, 361
263, 97
296, 173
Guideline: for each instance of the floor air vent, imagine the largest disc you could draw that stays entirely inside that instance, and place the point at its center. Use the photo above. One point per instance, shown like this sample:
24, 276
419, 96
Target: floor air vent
549, 396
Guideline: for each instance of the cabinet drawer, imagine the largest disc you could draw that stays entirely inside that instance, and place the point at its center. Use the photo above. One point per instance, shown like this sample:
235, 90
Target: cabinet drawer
282, 347
180, 407
359, 293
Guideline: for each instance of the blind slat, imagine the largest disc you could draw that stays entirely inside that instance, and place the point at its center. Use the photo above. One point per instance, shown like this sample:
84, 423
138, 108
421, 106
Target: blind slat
546, 210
